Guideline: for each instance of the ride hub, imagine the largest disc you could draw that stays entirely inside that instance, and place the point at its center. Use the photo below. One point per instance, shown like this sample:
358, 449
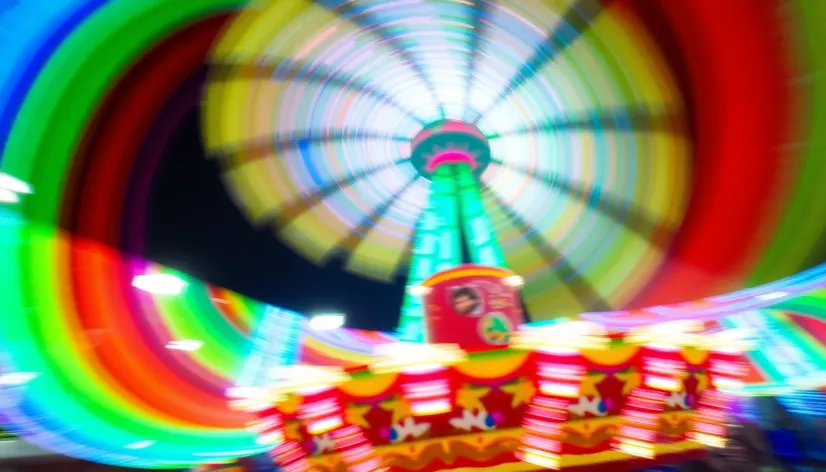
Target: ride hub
450, 142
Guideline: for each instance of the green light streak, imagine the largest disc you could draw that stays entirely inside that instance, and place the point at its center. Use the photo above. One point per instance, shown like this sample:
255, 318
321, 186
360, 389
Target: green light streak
481, 240
437, 247
801, 223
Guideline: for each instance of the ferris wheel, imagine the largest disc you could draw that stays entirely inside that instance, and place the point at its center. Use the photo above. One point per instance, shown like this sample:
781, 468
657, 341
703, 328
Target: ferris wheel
544, 136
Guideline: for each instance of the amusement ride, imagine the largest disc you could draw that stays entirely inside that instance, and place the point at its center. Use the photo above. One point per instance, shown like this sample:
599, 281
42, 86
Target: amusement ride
536, 170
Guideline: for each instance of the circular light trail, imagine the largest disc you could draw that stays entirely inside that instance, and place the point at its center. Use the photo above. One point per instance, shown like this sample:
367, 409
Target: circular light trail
331, 135
91, 92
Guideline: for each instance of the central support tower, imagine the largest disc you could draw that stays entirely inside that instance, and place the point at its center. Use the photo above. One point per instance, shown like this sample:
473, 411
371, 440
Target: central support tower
452, 155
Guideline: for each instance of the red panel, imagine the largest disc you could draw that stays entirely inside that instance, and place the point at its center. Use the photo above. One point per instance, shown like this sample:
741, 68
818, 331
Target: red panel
472, 308
732, 60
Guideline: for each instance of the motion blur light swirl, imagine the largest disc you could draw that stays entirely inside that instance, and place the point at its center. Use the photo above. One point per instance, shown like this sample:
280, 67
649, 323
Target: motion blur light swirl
319, 114
92, 90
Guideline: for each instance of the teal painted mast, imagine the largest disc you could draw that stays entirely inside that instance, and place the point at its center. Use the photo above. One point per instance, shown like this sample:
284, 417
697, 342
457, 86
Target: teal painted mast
452, 155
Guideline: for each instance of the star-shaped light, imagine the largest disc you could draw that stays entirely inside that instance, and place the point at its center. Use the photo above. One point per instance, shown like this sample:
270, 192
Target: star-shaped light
585, 405
354, 414
588, 388
398, 407
470, 397
410, 429
324, 444
677, 400
631, 379
702, 381
292, 430
467, 421
521, 390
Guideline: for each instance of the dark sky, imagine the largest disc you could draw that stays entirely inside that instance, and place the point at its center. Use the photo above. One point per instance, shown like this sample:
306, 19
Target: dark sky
195, 227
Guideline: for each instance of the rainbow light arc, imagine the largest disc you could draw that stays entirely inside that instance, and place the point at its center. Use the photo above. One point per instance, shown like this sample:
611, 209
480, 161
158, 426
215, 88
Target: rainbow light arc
91, 92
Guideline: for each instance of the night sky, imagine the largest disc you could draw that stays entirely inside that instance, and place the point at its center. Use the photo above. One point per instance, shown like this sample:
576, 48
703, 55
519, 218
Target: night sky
195, 227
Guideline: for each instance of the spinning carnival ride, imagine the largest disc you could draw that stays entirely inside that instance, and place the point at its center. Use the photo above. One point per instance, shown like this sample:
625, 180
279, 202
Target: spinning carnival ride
407, 127
597, 149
